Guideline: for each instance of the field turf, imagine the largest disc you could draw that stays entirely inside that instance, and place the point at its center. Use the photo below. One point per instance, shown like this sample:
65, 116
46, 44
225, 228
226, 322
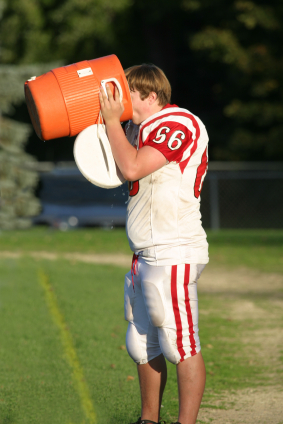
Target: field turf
62, 338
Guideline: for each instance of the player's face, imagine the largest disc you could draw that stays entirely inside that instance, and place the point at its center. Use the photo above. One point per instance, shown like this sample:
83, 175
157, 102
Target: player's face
140, 107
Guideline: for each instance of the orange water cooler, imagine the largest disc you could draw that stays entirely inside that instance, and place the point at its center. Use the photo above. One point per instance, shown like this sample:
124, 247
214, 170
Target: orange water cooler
65, 100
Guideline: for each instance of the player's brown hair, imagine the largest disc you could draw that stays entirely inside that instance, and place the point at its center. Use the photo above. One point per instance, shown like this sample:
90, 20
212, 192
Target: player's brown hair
147, 78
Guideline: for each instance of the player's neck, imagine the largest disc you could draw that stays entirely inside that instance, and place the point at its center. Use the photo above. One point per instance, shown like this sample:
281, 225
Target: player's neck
151, 111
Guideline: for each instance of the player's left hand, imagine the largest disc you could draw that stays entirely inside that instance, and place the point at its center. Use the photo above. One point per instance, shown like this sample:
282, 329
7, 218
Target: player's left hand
111, 107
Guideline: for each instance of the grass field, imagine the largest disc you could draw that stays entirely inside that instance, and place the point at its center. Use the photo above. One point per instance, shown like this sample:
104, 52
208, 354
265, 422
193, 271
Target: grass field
62, 353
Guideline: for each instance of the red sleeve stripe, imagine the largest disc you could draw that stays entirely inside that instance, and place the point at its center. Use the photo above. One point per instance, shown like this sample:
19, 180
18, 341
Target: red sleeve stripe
201, 173
179, 121
184, 163
190, 151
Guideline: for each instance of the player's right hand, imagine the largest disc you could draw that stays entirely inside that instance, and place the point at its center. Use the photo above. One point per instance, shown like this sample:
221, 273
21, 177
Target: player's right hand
111, 107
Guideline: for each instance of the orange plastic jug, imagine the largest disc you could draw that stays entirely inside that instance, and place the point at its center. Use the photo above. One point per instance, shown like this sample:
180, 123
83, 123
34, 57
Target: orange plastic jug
64, 101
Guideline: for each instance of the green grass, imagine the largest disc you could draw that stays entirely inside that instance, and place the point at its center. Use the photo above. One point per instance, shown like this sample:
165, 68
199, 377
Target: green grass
92, 240
259, 249
36, 384
34, 377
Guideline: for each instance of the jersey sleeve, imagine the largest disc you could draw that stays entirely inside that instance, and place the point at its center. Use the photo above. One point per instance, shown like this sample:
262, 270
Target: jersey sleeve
173, 139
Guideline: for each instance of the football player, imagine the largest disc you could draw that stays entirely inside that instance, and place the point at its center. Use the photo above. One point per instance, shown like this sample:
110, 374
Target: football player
164, 157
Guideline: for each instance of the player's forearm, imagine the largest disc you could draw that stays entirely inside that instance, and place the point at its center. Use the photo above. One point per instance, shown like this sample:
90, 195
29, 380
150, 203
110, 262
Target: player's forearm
124, 153
133, 164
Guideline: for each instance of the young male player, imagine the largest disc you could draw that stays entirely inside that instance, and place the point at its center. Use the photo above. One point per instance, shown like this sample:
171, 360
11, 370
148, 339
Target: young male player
166, 162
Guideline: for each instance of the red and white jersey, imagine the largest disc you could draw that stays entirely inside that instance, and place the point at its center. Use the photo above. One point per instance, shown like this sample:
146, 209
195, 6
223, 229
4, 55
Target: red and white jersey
163, 214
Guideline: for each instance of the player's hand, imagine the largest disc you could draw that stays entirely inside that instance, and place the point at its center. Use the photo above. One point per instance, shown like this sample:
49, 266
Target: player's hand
111, 107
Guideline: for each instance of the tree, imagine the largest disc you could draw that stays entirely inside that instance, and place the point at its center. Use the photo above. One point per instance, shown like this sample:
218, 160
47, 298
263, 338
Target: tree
18, 175
41, 31
223, 57
242, 40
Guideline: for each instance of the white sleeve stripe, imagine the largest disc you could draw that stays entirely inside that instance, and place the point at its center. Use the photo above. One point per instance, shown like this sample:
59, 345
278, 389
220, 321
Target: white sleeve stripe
167, 111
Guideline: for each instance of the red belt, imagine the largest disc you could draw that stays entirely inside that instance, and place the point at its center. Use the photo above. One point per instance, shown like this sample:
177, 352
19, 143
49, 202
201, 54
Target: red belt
133, 268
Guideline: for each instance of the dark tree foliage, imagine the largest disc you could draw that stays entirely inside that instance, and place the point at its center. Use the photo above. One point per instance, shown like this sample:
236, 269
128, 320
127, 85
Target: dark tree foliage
18, 175
223, 58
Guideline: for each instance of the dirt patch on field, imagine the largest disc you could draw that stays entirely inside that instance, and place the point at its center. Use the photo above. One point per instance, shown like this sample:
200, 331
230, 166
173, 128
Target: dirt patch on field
215, 280
242, 286
115, 259
247, 406
240, 280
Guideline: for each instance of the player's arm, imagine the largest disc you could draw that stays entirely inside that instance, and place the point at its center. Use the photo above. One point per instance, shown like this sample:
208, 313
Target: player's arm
134, 164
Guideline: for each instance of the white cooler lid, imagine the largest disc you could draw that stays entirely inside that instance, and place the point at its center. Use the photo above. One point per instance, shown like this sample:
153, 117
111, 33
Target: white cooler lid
94, 158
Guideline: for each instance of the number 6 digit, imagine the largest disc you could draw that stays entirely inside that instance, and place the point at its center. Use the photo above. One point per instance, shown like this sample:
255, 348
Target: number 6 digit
175, 140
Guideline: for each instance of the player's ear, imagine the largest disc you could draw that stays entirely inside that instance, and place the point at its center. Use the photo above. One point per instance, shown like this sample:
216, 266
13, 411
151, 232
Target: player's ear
152, 97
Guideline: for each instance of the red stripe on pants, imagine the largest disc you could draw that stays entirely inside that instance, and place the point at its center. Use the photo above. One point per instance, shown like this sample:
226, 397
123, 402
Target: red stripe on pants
176, 310
188, 309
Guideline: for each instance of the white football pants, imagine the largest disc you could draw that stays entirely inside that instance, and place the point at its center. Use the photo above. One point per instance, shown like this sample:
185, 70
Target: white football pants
162, 309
